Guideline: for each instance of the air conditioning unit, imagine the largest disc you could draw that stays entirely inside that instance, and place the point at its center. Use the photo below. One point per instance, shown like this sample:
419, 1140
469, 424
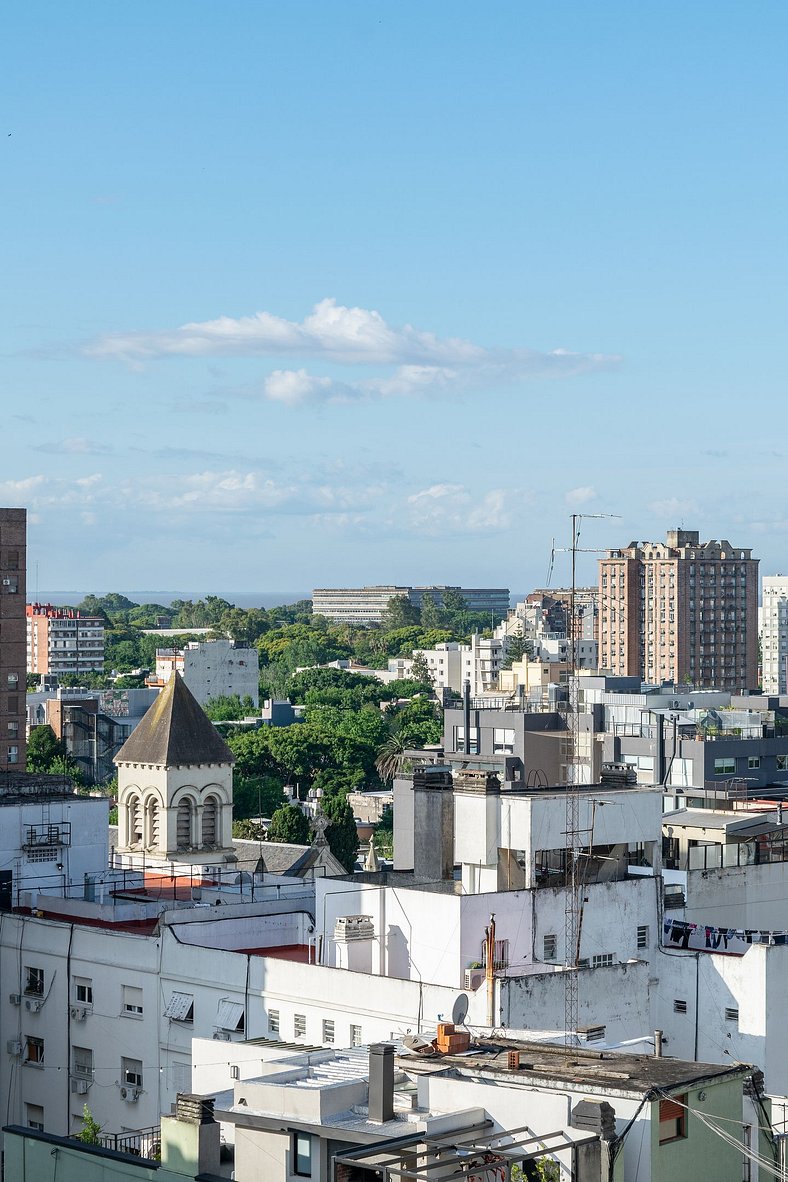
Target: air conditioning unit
78, 1013
473, 979
14, 1047
222, 1035
33, 1004
80, 1086
15, 999
130, 1094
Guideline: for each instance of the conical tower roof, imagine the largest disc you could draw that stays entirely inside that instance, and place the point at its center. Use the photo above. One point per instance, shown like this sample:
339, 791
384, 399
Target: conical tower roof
176, 731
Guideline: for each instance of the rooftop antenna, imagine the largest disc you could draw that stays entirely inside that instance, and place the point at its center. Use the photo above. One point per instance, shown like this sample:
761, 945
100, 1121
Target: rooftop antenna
572, 906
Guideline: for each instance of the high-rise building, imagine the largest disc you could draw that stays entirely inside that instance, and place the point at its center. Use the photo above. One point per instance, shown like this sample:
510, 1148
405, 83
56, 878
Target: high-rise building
680, 610
13, 564
774, 633
62, 640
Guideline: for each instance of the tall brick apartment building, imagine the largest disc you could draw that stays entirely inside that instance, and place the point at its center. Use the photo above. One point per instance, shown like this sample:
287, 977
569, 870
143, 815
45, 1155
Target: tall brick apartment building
680, 610
13, 661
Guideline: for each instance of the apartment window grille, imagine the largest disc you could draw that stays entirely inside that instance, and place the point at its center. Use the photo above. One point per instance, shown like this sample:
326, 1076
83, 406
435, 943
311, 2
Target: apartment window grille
328, 1030
731, 1014
500, 954
601, 960
273, 1021
355, 1036
679, 1005
549, 947
642, 941
299, 1025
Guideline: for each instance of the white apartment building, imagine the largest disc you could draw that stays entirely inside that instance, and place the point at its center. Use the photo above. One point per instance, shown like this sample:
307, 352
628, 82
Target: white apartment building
452, 664
774, 634
212, 669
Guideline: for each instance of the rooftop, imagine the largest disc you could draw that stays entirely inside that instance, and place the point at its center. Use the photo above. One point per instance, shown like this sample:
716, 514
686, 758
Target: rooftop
175, 732
543, 1063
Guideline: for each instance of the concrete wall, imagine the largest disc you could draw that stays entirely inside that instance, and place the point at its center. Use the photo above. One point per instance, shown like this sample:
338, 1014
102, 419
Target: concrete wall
739, 896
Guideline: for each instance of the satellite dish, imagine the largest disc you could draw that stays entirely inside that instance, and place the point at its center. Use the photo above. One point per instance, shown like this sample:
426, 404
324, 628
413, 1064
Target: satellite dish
459, 1010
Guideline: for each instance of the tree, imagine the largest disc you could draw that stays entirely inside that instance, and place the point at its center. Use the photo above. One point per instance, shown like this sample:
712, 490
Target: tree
517, 648
43, 749
248, 830
384, 833
228, 706
341, 834
453, 601
289, 825
400, 612
90, 1133
420, 670
257, 796
391, 756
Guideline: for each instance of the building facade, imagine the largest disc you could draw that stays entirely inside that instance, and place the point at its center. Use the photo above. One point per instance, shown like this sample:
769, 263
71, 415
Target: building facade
212, 669
13, 563
680, 611
367, 605
61, 640
774, 633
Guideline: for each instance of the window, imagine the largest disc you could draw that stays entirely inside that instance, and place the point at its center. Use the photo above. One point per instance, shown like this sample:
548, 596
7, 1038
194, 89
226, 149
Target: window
503, 741
459, 740
602, 960
679, 1006
34, 1114
180, 1008
13, 754
549, 947
34, 1051
302, 1154
753, 762
273, 1021
82, 1062
782, 763
355, 1036
131, 1073
731, 1014
230, 1015
83, 991
643, 936
725, 767
672, 1119
44, 853
328, 1030
132, 1001
299, 1025
34, 981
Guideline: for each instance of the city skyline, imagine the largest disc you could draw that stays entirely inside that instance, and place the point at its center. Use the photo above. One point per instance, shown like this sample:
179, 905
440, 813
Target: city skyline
314, 294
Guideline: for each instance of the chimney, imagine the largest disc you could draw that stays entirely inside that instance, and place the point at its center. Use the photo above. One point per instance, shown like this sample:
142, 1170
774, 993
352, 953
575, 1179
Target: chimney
190, 1138
657, 1044
433, 824
381, 1082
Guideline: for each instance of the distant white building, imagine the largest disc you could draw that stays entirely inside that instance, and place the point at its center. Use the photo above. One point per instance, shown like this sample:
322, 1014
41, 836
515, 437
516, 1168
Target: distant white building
774, 633
212, 669
479, 663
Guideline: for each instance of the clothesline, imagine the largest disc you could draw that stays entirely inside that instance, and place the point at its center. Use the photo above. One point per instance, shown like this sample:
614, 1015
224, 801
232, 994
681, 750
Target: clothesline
699, 937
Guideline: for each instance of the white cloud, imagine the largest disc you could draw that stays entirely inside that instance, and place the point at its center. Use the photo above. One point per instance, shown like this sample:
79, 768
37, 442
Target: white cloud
673, 508
331, 330
580, 495
451, 509
425, 364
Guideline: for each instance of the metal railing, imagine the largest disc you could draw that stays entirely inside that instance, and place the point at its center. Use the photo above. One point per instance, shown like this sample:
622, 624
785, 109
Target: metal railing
141, 1143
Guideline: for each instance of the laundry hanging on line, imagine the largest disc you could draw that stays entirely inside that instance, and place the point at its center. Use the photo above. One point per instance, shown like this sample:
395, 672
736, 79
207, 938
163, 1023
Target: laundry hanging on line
699, 937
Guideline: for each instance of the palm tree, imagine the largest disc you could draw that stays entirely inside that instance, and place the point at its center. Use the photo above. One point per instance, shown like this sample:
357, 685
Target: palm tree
391, 755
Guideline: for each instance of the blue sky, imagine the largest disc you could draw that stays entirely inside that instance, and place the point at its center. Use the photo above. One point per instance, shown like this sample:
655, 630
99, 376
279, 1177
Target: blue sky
306, 293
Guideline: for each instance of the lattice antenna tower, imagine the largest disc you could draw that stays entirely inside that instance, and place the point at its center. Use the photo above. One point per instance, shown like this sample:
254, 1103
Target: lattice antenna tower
573, 764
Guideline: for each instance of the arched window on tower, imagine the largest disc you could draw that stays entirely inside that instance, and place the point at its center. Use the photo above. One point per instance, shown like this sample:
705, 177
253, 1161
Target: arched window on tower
183, 825
134, 820
210, 822
152, 819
